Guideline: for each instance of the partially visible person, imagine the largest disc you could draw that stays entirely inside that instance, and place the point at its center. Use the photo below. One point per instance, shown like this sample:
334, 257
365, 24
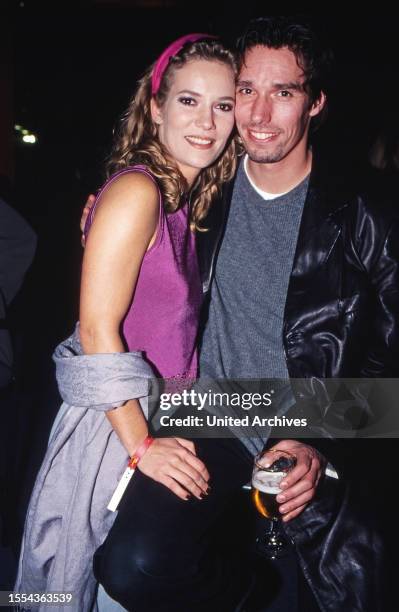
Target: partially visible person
17, 248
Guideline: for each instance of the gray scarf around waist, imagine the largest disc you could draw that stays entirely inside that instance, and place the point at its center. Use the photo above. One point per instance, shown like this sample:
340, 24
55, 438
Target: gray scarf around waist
67, 517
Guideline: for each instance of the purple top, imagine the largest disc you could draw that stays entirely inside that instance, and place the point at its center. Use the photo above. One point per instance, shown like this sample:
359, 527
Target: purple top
162, 320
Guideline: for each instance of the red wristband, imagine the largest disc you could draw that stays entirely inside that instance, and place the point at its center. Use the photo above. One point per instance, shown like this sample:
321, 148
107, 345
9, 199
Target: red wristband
142, 449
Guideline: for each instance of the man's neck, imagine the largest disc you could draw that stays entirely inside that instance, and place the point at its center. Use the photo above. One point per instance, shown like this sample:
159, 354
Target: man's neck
282, 176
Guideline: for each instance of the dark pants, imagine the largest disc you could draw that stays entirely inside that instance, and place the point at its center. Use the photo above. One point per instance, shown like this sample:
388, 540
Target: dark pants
164, 554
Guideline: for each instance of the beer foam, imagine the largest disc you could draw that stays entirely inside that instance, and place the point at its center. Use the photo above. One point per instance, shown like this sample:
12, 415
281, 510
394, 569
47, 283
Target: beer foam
268, 483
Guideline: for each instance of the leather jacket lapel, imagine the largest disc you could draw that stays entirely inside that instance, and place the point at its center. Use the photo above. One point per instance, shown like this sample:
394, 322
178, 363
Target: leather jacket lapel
209, 241
319, 230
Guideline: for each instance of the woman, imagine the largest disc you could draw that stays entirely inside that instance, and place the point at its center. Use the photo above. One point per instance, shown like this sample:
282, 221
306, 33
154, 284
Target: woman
140, 291
168, 136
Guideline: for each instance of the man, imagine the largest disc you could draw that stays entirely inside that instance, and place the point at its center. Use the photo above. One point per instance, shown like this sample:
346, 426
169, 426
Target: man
274, 110
296, 274
302, 274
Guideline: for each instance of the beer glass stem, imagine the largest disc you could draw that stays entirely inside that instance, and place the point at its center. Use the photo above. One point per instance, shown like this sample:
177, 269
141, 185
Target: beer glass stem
274, 543
274, 531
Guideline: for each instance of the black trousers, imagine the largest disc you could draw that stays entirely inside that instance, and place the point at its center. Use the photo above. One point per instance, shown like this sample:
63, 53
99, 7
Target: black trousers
164, 554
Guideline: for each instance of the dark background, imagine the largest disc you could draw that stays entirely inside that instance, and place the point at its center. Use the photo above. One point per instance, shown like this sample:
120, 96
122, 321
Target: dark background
67, 70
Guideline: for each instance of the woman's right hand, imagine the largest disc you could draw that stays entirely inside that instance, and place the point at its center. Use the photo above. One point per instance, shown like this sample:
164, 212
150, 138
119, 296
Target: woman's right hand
173, 463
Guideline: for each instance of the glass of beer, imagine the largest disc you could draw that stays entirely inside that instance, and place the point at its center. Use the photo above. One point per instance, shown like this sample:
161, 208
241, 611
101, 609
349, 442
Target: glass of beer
269, 470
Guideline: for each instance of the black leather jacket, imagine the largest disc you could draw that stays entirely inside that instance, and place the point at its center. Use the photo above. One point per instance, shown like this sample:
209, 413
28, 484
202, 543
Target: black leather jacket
341, 320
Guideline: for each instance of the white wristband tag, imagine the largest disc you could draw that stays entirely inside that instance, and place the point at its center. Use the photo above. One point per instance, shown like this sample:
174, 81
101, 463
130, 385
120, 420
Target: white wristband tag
120, 489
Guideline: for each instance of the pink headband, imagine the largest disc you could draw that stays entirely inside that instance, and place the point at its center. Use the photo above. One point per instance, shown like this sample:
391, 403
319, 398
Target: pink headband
163, 60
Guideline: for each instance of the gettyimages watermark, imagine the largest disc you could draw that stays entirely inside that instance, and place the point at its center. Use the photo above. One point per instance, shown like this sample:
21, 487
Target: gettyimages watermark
338, 408
208, 400
201, 400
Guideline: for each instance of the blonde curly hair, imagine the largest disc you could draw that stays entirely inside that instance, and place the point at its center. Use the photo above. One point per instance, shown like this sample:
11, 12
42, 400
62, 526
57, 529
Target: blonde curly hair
136, 138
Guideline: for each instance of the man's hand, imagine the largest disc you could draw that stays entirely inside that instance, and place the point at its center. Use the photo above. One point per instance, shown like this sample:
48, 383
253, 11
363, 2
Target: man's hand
299, 486
89, 203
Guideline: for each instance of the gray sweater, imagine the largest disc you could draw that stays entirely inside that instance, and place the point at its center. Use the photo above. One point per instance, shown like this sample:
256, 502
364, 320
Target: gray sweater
243, 334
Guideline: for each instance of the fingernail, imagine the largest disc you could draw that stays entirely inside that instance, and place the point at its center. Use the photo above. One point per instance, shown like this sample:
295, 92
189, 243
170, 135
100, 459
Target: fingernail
283, 485
281, 498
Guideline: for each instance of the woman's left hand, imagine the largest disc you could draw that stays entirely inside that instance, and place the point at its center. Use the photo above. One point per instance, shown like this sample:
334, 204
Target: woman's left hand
173, 463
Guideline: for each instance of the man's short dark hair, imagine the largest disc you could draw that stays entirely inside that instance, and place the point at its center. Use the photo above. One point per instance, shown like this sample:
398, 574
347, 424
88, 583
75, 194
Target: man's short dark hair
312, 56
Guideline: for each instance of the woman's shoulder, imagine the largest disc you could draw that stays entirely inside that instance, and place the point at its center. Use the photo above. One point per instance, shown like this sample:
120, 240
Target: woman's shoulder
126, 195
131, 182
132, 188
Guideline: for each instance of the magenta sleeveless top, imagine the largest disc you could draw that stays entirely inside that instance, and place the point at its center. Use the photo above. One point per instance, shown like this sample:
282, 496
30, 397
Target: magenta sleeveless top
162, 320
